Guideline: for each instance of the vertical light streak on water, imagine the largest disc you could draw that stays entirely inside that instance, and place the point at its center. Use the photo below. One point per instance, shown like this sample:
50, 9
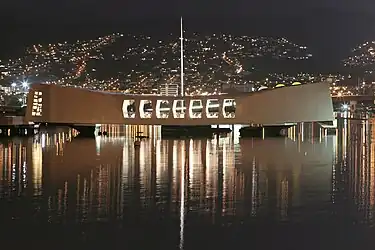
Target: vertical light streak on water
78, 197
159, 165
37, 168
84, 201
236, 132
125, 168
24, 174
372, 170
182, 202
364, 168
175, 169
21, 156
225, 181
254, 190
97, 144
345, 138
208, 167
284, 199
191, 163
143, 172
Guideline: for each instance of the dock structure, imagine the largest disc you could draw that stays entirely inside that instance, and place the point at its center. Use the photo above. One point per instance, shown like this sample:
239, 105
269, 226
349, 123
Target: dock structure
15, 126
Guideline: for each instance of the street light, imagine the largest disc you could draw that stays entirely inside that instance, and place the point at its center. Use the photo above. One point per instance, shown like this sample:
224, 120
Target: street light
25, 84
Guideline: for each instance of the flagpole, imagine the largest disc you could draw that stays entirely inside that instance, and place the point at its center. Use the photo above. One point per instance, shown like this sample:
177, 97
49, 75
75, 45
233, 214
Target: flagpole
182, 59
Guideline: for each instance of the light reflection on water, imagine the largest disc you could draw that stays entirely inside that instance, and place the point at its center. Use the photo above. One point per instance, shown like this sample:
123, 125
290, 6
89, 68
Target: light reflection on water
217, 182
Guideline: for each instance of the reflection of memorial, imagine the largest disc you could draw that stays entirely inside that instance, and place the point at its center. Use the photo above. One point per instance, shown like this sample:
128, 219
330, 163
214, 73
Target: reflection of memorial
109, 178
82, 178
358, 174
20, 169
282, 169
131, 131
103, 179
213, 180
80, 157
21, 163
116, 177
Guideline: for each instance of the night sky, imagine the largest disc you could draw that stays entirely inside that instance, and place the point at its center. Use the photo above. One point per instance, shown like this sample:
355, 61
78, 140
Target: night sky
122, 9
328, 27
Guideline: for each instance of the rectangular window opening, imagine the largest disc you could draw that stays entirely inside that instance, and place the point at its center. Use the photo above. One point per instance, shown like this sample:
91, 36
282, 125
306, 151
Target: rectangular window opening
129, 108
195, 109
145, 109
179, 109
229, 108
162, 109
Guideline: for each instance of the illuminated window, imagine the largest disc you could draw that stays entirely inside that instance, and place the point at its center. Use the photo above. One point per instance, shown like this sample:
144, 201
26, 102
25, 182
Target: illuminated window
179, 109
195, 109
129, 109
212, 108
229, 108
37, 108
145, 109
162, 109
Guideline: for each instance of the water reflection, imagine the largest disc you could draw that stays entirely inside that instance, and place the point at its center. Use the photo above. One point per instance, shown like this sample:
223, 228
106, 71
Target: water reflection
212, 182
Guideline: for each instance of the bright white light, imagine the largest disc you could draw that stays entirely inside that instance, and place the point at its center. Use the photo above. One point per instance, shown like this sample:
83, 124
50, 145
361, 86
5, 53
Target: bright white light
25, 84
43, 141
14, 85
345, 106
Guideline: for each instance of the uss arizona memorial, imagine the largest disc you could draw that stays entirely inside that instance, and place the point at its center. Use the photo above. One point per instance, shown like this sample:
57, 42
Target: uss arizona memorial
81, 107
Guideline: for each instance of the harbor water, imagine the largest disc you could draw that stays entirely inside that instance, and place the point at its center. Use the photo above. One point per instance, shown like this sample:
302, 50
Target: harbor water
309, 190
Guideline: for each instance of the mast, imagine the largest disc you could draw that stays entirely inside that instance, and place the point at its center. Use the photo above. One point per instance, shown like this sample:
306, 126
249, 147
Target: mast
182, 59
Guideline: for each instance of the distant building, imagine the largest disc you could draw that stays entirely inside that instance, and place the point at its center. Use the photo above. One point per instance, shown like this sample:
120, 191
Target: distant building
169, 89
7, 90
238, 87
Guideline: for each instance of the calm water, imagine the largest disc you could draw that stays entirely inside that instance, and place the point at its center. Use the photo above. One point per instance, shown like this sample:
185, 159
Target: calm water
308, 191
